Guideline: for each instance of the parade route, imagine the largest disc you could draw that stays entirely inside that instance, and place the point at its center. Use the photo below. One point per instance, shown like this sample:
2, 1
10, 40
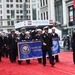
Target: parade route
64, 67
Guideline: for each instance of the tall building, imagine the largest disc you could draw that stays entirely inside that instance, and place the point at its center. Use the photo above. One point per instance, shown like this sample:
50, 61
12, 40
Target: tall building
68, 16
14, 11
47, 10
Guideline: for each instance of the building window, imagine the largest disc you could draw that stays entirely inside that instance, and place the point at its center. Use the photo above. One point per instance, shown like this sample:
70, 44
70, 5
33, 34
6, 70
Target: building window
0, 17
20, 5
33, 0
12, 22
41, 17
29, 17
41, 2
17, 11
17, 5
8, 23
7, 0
0, 6
58, 13
44, 15
11, 5
12, 13
11, 0
47, 15
21, 11
8, 11
25, 0
7, 5
46, 2
8, 17
1, 24
34, 11
20, 0
17, 17
29, 11
17, 1
21, 17
0, 11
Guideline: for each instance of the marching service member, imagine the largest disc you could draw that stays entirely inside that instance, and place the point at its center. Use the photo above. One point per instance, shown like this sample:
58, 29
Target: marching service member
1, 45
7, 44
34, 32
12, 46
73, 46
37, 38
23, 36
47, 45
55, 37
28, 36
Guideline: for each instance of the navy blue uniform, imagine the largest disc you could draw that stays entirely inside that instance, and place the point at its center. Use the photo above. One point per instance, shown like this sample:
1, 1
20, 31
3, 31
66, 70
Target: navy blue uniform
47, 39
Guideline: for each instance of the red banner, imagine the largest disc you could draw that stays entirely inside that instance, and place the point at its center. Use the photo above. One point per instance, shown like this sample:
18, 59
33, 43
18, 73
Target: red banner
74, 3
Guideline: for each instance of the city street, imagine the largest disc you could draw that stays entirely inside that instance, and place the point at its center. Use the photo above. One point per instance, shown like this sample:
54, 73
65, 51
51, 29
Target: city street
64, 67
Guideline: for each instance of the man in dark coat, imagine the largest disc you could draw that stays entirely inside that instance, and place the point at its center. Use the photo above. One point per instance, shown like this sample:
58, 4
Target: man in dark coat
1, 45
12, 46
37, 38
6, 45
23, 38
73, 46
46, 39
34, 32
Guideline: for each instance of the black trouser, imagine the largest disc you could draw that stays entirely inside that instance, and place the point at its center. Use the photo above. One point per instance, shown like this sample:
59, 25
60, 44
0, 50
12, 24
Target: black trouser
12, 53
50, 55
56, 58
28, 61
74, 57
0, 54
39, 60
7, 53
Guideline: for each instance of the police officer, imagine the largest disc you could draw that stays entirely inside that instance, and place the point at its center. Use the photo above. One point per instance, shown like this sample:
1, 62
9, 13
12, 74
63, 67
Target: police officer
12, 46
54, 37
37, 38
73, 46
46, 39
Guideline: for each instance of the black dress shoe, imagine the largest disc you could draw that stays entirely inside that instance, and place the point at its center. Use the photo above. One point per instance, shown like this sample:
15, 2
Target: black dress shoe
53, 64
0, 60
12, 61
44, 64
58, 61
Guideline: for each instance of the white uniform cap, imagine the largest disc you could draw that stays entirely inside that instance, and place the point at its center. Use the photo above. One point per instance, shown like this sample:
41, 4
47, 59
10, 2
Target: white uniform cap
18, 33
46, 27
27, 32
23, 28
53, 28
39, 29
